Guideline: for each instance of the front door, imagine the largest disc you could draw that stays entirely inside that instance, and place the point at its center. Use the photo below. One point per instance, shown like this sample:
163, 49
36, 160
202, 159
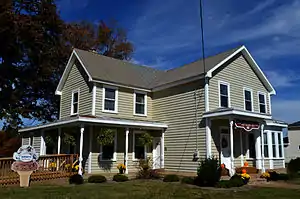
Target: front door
156, 153
225, 148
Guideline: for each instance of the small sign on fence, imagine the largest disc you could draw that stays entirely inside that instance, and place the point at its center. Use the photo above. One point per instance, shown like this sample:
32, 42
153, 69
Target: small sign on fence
25, 163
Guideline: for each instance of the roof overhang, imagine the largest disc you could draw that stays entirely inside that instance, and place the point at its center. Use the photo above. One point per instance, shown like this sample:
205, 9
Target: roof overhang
228, 112
252, 63
105, 121
276, 123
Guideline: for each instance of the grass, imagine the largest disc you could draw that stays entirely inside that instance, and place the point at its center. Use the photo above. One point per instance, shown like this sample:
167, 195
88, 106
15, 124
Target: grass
142, 190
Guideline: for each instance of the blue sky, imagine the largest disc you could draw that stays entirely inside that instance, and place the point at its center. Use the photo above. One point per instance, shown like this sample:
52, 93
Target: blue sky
166, 34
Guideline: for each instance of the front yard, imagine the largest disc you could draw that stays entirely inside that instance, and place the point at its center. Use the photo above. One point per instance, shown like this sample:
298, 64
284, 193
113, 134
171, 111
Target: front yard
138, 189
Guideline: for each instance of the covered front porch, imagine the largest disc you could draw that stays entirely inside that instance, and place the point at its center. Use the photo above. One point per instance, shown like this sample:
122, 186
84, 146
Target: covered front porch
239, 139
80, 135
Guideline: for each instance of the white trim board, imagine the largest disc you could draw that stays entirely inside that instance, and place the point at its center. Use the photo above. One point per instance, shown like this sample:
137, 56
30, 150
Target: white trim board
252, 63
98, 120
236, 112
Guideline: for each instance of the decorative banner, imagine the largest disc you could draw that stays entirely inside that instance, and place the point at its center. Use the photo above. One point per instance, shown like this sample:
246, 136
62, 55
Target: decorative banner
247, 126
25, 163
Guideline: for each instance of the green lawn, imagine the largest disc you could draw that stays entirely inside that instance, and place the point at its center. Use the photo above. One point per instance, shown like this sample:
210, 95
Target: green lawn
142, 190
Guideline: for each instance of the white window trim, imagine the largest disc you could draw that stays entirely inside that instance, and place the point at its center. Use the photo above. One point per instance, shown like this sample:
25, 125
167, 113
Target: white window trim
133, 146
72, 109
115, 149
277, 145
134, 105
250, 90
116, 99
265, 96
219, 93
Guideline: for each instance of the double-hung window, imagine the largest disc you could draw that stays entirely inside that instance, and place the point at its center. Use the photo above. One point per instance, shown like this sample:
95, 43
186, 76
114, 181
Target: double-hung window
265, 145
109, 151
139, 150
110, 99
262, 102
140, 104
75, 102
277, 144
248, 99
224, 94
274, 144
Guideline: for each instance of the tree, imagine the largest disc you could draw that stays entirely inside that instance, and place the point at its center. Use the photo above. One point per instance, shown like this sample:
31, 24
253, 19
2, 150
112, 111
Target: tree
35, 47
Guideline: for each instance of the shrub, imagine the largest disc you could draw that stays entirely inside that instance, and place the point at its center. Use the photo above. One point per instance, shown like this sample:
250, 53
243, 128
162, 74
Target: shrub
120, 178
274, 176
293, 168
187, 180
171, 178
76, 179
97, 179
235, 182
209, 172
237, 178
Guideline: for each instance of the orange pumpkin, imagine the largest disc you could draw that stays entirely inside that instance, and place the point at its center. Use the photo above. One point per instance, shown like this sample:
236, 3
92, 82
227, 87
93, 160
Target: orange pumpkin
246, 164
222, 166
244, 171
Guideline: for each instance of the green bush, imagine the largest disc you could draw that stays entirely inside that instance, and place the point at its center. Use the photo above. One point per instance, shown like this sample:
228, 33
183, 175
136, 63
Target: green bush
293, 168
97, 179
274, 176
120, 178
209, 172
171, 178
76, 179
236, 182
187, 180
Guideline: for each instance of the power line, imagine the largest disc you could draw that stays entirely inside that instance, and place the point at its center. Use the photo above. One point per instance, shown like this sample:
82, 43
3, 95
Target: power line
202, 35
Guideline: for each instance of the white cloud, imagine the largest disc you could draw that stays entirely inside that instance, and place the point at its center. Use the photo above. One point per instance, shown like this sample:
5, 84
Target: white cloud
286, 110
281, 79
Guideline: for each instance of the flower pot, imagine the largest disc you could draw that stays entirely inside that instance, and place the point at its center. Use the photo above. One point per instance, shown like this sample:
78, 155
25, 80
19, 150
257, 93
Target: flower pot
121, 171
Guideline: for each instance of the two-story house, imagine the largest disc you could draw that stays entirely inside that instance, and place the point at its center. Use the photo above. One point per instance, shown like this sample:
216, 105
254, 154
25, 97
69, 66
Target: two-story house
192, 112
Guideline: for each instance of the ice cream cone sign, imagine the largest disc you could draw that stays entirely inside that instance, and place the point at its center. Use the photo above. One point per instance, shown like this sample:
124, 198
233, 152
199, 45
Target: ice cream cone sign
25, 163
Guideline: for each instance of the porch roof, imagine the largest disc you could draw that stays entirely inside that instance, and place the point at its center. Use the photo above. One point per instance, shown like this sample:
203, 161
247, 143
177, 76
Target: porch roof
97, 120
232, 111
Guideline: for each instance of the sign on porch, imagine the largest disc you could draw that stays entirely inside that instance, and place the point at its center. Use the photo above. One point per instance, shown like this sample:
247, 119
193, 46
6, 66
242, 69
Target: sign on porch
246, 125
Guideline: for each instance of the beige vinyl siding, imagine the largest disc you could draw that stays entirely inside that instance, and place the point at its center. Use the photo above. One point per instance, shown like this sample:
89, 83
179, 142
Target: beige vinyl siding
125, 104
176, 107
239, 74
76, 80
267, 164
278, 164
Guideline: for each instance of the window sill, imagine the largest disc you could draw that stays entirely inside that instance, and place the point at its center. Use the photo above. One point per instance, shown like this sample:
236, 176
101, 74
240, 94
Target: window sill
140, 115
106, 111
113, 160
73, 114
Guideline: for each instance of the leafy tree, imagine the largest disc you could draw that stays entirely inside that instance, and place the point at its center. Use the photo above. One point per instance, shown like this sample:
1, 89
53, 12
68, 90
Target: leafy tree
35, 47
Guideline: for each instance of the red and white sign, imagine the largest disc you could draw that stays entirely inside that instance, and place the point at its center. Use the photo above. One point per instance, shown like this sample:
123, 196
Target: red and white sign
247, 126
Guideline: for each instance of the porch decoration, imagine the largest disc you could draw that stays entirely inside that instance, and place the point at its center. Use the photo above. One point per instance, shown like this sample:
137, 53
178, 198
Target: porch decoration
69, 139
25, 163
106, 136
246, 164
121, 168
50, 140
246, 125
145, 139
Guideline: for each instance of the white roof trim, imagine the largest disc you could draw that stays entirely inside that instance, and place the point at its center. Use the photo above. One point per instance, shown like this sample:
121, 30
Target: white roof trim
272, 123
67, 70
256, 68
236, 112
97, 120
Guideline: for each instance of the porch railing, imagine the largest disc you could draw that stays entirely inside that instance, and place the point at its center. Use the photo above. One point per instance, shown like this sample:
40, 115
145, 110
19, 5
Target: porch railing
50, 167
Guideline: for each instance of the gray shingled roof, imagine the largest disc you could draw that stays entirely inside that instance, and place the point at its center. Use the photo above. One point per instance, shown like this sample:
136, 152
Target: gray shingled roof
295, 124
117, 71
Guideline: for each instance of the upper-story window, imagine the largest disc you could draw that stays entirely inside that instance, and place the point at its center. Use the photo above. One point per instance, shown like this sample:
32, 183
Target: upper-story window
75, 102
248, 99
140, 104
110, 99
262, 102
224, 94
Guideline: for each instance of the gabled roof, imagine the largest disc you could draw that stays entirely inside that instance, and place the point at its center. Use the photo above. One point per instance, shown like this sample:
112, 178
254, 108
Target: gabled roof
295, 124
110, 70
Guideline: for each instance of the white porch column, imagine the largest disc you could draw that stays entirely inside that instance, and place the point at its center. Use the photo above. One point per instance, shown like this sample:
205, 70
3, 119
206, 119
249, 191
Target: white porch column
208, 137
126, 150
231, 147
262, 148
282, 149
242, 149
80, 150
162, 149
270, 149
90, 149
258, 150
42, 147
59, 141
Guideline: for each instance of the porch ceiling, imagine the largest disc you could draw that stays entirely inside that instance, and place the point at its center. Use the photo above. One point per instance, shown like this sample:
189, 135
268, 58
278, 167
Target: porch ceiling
232, 111
97, 120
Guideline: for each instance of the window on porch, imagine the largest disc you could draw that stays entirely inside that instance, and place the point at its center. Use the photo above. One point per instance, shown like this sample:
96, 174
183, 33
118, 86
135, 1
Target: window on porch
277, 144
109, 151
265, 145
139, 150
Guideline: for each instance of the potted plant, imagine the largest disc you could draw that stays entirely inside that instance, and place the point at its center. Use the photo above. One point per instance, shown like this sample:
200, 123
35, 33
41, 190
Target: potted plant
145, 140
106, 136
121, 168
